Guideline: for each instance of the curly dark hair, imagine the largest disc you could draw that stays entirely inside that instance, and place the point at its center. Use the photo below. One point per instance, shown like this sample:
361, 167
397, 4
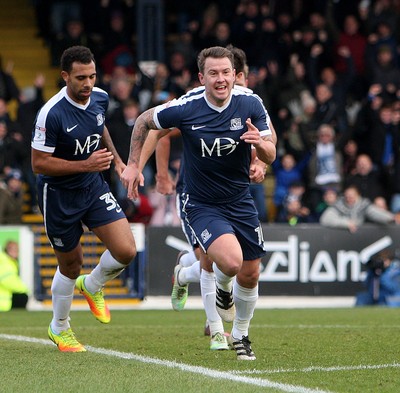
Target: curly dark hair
79, 54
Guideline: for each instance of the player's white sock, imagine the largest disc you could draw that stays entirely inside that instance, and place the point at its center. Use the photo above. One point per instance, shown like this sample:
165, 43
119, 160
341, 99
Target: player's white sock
207, 285
188, 259
224, 282
62, 293
107, 269
190, 274
245, 301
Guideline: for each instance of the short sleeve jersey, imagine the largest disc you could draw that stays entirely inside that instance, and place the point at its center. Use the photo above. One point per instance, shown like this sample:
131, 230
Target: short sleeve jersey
215, 160
70, 131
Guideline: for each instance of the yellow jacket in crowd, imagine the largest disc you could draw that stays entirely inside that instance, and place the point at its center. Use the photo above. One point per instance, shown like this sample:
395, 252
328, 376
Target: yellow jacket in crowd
10, 281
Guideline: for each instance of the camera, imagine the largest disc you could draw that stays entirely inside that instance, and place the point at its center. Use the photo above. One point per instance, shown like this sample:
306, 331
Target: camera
376, 263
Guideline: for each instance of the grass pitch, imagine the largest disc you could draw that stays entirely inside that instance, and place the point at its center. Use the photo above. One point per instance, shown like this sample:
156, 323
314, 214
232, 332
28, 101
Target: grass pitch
299, 350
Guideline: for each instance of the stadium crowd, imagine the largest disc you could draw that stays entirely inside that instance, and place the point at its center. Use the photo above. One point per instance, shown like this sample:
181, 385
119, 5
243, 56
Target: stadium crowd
327, 71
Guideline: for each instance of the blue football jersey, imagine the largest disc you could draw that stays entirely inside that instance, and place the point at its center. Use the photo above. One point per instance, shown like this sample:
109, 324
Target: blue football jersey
71, 131
216, 162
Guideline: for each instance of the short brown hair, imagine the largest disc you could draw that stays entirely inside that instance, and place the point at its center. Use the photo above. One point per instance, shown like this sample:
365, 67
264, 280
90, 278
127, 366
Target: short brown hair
216, 52
239, 60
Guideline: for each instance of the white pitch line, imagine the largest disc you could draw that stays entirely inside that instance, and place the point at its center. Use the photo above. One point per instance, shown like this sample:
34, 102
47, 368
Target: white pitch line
272, 326
230, 376
320, 369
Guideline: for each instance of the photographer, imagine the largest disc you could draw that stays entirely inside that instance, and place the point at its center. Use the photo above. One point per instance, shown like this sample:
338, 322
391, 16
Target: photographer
382, 281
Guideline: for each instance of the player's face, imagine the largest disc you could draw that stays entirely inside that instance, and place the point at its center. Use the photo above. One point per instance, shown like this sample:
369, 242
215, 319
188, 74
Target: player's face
80, 81
218, 80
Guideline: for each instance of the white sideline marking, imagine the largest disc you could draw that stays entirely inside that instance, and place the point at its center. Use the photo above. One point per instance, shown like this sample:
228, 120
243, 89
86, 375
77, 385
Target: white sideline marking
320, 369
300, 326
230, 376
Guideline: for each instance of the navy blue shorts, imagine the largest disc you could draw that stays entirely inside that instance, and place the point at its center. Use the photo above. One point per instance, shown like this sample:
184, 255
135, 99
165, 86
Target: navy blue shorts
64, 211
207, 222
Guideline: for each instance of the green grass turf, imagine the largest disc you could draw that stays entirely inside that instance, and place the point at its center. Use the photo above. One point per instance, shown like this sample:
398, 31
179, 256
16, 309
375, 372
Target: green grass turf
300, 350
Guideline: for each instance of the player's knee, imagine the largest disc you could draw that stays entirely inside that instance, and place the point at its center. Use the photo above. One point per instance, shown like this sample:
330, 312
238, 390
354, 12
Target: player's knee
71, 271
126, 255
232, 268
248, 278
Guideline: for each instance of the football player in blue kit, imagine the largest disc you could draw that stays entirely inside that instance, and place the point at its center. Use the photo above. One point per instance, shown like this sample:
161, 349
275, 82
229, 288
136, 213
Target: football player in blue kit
70, 148
187, 269
218, 129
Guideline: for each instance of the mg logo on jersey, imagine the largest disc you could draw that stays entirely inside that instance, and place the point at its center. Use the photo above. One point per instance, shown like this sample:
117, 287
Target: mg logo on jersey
220, 145
90, 145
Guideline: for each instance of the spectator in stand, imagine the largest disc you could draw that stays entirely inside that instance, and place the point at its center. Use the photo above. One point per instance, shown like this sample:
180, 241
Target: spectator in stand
121, 90
296, 125
367, 179
61, 12
5, 114
9, 89
303, 41
284, 22
116, 46
246, 29
329, 198
117, 32
351, 211
293, 82
378, 11
324, 33
385, 72
270, 48
203, 29
31, 100
287, 171
338, 83
12, 151
352, 39
325, 166
383, 35
11, 198
382, 143
395, 195
164, 89
294, 210
326, 111
136, 83
13, 291
179, 71
256, 82
270, 75
184, 45
73, 34
350, 154
366, 116
222, 34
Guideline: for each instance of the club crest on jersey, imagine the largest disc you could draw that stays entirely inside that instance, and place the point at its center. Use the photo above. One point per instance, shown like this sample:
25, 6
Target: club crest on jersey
236, 124
100, 119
